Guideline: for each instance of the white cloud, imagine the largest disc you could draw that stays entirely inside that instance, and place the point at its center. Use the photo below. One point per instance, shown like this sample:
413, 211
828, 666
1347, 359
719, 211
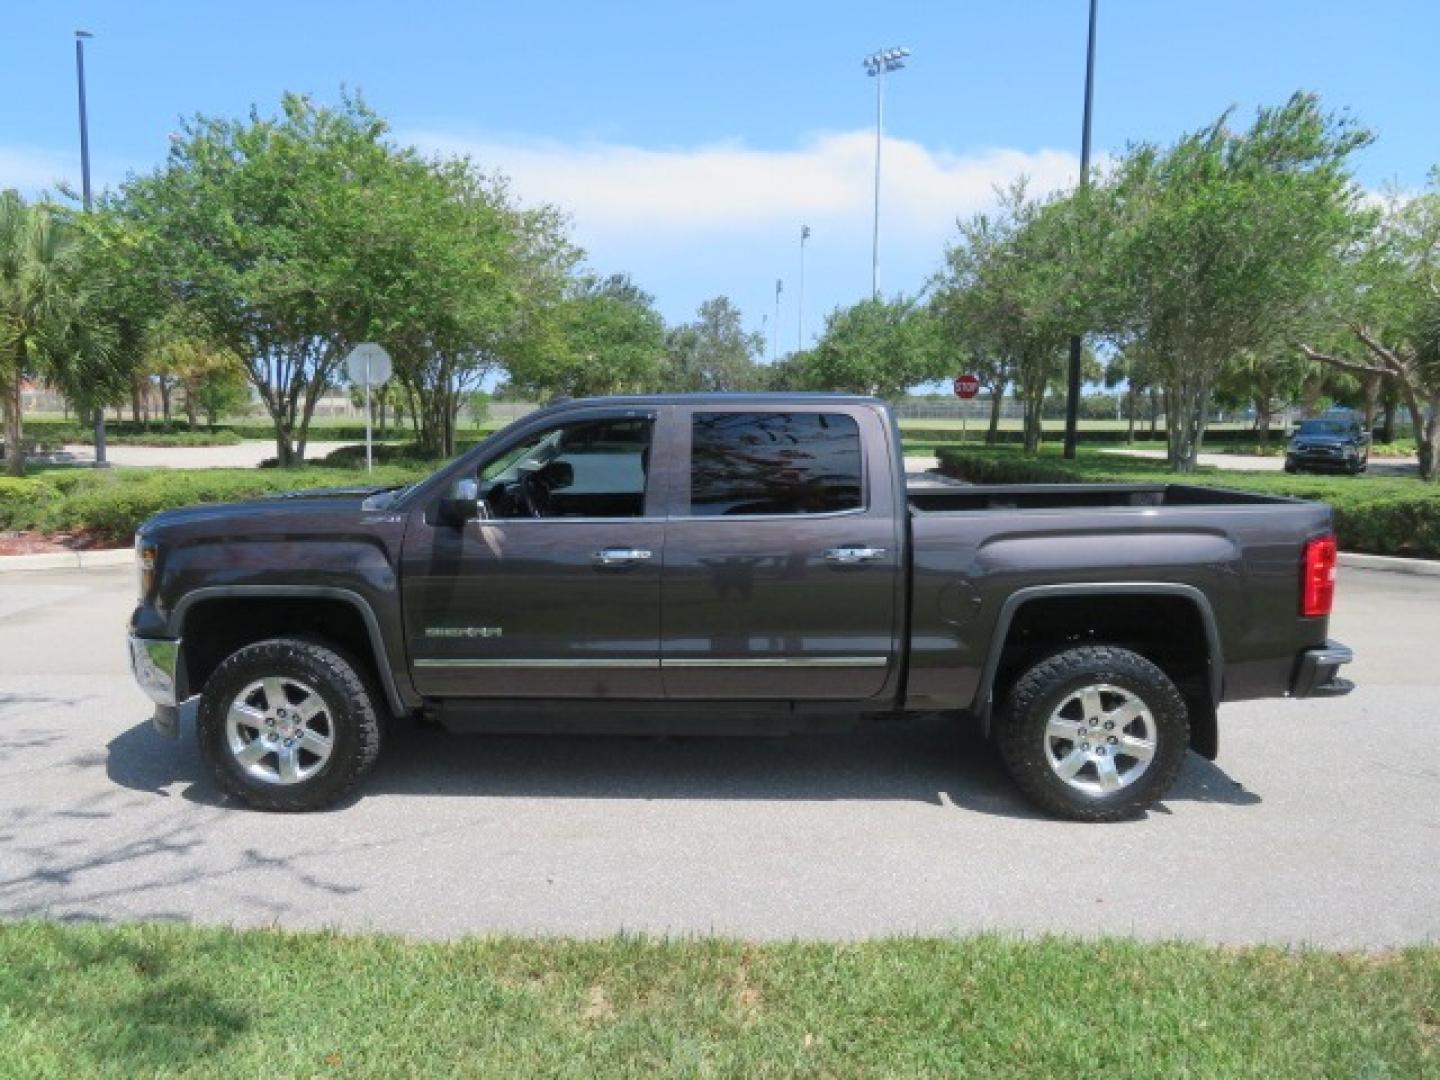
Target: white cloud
720, 188
31, 170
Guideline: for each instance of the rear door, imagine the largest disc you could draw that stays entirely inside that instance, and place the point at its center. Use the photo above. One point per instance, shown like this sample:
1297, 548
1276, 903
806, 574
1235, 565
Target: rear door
782, 555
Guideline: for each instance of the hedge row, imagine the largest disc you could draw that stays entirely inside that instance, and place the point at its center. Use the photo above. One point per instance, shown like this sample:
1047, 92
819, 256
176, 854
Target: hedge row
108, 505
55, 433
1377, 515
123, 432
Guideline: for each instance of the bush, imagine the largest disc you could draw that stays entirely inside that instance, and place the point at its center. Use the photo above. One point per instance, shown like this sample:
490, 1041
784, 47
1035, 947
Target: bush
108, 505
54, 433
1377, 515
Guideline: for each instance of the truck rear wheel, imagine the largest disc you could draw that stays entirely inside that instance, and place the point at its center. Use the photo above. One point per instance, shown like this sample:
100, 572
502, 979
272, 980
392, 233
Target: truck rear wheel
287, 725
1095, 734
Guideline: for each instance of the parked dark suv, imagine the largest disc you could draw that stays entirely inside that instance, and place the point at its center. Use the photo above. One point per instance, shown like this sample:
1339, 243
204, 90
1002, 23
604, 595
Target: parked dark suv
1328, 443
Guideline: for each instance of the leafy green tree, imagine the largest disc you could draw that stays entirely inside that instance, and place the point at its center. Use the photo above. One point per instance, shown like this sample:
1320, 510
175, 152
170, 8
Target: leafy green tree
485, 289
276, 232
1014, 290
1217, 245
605, 337
1264, 380
715, 352
1389, 307
49, 324
881, 347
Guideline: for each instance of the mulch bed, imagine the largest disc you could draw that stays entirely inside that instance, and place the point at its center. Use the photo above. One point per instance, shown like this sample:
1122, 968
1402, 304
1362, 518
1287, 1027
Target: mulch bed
32, 543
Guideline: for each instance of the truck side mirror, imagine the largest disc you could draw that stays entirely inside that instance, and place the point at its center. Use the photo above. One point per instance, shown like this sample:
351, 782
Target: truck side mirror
460, 504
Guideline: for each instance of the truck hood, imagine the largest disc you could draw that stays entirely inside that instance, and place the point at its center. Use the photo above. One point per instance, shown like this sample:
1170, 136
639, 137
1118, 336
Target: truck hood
282, 512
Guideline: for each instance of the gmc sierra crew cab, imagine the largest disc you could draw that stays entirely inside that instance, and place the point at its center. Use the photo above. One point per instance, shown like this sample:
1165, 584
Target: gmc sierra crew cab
729, 564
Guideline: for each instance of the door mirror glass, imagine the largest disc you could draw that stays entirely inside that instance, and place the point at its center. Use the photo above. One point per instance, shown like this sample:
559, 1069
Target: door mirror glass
461, 503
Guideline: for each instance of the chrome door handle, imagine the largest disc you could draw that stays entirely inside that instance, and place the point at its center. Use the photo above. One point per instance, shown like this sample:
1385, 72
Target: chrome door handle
618, 556
850, 555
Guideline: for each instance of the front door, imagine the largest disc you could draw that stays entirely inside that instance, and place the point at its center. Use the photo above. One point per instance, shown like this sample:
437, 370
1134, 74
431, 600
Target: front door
555, 590
782, 560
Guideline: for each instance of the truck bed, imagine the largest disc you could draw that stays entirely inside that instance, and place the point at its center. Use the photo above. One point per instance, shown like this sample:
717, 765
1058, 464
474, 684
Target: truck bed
941, 500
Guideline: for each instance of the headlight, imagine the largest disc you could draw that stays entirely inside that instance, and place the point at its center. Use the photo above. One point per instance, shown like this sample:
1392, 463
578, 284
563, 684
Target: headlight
145, 564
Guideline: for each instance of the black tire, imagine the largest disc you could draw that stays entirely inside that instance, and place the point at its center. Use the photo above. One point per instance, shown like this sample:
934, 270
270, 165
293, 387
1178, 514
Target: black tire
1291, 467
350, 715
1045, 688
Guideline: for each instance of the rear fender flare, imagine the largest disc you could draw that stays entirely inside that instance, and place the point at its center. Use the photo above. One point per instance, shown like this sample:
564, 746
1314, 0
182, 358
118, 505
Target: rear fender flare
983, 705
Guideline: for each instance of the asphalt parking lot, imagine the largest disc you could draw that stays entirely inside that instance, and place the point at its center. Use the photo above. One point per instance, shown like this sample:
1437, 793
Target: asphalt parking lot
1320, 822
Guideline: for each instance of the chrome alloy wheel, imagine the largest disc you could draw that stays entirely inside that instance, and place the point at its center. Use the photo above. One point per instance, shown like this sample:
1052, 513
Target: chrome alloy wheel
279, 731
1100, 739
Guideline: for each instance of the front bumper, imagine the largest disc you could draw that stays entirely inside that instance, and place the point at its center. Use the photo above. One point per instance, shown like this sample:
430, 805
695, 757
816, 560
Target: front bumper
156, 664
1321, 459
1318, 672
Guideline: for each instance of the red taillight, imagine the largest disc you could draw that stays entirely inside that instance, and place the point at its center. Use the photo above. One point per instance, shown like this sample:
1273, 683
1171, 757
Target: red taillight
1317, 586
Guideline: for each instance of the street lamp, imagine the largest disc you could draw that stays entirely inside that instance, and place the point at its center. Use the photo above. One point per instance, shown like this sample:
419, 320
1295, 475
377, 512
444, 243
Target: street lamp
1072, 390
800, 317
775, 337
878, 65
80, 38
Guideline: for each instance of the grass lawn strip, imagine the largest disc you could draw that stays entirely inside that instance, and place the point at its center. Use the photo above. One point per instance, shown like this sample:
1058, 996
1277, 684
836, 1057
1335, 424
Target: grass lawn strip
161, 1000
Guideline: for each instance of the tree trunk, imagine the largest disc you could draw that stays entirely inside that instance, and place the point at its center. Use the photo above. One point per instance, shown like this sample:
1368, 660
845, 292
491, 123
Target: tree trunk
1371, 384
1262, 418
1154, 412
14, 428
1427, 440
1387, 426
165, 401
1032, 427
192, 414
997, 399
135, 400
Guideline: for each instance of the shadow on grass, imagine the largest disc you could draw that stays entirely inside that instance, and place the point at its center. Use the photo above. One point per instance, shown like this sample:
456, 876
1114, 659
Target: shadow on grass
138, 1013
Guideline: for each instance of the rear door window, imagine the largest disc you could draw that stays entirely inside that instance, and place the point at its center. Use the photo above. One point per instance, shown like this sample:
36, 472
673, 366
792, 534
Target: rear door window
752, 463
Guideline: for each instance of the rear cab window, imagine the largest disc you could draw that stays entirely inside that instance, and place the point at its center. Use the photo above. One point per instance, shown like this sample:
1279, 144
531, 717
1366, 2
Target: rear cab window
775, 463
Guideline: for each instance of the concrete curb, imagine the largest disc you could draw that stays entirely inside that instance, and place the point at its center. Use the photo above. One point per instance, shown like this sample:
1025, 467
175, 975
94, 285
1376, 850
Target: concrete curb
1420, 567
68, 560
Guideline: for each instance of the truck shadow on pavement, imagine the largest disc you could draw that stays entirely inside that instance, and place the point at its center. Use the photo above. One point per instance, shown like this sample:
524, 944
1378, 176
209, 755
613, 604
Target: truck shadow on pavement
929, 759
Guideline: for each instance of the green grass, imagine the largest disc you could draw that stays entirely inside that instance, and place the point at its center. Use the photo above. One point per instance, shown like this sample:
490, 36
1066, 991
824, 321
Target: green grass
167, 1000
1382, 515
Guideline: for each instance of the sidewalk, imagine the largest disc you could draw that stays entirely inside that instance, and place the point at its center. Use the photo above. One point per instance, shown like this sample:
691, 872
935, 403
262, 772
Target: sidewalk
245, 455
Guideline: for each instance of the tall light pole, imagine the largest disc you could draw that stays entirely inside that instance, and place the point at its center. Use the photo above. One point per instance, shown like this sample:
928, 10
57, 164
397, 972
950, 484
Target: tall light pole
800, 316
775, 337
80, 38
1072, 391
878, 65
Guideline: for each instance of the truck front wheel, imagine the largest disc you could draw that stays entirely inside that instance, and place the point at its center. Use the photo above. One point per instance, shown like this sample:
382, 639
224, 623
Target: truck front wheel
1095, 734
287, 724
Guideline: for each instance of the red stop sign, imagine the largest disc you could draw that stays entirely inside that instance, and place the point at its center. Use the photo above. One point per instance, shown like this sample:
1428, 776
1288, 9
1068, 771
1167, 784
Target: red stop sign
967, 386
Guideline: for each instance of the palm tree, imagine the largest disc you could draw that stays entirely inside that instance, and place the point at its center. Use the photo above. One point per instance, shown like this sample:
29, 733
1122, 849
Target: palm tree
43, 298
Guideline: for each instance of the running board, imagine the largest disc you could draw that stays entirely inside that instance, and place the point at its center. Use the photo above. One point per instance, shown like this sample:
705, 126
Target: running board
571, 717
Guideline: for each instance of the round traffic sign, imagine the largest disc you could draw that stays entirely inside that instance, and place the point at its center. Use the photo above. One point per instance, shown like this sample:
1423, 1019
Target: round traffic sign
967, 386
368, 364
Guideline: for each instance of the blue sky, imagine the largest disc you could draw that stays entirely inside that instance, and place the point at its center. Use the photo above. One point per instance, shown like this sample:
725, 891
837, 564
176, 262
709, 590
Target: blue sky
691, 141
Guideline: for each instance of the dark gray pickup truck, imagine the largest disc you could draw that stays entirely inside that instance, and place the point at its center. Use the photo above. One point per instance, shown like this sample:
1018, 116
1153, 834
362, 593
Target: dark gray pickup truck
730, 564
